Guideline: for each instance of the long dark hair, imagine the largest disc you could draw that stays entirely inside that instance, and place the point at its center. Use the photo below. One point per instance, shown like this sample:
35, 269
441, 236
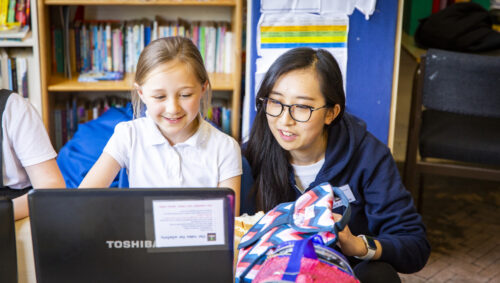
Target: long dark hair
269, 161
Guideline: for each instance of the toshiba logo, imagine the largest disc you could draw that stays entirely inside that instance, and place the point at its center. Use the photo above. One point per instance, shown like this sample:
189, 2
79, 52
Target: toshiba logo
130, 244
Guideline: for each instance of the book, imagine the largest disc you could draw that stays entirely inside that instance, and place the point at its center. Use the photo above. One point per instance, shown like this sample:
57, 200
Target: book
59, 50
11, 13
4, 10
21, 12
94, 76
15, 34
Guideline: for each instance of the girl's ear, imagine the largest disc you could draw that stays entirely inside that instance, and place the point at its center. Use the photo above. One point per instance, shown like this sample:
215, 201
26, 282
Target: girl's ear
331, 114
138, 89
204, 87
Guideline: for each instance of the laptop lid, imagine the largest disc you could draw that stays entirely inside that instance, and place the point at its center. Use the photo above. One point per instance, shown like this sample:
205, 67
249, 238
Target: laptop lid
133, 235
8, 257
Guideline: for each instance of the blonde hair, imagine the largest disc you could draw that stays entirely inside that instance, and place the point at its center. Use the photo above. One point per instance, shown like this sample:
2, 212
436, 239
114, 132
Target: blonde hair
165, 50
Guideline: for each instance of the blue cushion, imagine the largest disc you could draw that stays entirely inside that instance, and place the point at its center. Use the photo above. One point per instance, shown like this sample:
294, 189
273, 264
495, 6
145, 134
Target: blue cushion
460, 137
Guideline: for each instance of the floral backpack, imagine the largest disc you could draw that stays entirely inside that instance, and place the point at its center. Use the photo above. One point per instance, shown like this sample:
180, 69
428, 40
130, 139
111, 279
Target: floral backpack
290, 242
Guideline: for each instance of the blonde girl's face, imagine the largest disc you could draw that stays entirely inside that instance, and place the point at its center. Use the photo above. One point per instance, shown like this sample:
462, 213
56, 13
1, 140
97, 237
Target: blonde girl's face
172, 95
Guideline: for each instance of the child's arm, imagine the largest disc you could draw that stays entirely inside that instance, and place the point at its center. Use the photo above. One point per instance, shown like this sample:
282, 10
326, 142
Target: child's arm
45, 175
102, 174
234, 183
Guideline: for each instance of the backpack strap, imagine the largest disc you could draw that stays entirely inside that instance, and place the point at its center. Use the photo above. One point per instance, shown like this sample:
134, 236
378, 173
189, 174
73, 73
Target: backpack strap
4, 95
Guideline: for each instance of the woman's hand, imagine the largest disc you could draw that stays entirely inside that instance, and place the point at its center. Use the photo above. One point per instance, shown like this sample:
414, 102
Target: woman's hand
351, 245
348, 243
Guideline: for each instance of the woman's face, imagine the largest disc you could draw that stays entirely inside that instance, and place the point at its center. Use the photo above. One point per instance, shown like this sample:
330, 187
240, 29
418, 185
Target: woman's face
301, 139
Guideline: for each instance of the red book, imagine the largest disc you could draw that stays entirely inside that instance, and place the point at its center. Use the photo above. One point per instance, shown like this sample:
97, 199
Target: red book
21, 12
436, 6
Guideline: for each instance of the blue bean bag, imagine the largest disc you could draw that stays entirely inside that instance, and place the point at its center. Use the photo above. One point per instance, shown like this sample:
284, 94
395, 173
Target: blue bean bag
80, 153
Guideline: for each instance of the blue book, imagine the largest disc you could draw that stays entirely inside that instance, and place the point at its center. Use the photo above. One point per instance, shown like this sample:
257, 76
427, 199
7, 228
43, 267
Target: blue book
147, 35
226, 120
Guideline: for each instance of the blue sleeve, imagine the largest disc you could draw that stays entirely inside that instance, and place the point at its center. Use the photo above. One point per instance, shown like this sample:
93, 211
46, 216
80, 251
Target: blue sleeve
393, 219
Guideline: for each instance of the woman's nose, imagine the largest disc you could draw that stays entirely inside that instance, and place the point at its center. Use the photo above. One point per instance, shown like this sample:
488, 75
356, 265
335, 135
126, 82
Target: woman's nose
285, 118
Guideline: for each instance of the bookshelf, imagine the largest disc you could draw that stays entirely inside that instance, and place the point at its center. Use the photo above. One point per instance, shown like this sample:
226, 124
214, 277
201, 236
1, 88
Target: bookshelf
29, 48
55, 84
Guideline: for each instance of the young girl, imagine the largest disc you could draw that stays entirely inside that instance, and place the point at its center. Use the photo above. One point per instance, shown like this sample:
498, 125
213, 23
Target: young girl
172, 146
27, 157
302, 137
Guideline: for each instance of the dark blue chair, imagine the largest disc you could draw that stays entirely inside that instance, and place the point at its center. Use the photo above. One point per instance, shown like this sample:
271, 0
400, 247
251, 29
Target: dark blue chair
455, 119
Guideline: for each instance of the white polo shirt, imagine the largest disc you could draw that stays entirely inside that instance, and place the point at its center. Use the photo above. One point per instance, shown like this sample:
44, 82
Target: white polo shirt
25, 141
204, 160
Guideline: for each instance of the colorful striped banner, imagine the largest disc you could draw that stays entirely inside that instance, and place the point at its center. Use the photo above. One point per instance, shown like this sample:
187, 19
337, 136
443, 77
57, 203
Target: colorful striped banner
303, 39
315, 36
303, 28
302, 33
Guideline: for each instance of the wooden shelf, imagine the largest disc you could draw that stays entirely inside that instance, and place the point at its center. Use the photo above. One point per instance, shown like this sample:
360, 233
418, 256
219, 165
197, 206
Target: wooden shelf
220, 82
143, 2
52, 83
12, 43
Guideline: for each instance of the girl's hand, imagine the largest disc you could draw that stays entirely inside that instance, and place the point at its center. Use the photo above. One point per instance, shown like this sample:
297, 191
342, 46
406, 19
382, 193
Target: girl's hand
348, 243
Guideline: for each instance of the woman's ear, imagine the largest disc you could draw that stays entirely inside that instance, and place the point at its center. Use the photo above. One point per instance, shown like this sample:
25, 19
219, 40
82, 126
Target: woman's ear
332, 114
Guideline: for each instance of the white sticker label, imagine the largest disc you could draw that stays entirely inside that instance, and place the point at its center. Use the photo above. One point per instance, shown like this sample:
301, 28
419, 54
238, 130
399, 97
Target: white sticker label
181, 223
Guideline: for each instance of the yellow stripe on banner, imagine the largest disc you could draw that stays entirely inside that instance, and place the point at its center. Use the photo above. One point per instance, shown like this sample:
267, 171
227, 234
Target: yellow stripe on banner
313, 39
302, 28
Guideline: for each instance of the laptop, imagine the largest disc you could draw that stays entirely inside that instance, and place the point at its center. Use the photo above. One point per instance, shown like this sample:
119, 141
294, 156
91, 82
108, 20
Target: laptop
133, 235
8, 257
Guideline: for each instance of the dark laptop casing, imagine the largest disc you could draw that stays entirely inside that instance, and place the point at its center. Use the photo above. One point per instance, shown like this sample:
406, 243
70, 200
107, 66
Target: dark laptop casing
8, 257
70, 230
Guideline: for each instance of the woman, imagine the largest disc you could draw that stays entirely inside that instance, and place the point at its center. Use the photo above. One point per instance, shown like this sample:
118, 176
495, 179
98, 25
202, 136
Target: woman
302, 137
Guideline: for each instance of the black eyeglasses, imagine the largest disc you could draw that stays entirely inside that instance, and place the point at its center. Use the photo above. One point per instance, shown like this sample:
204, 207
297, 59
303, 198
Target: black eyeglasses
298, 112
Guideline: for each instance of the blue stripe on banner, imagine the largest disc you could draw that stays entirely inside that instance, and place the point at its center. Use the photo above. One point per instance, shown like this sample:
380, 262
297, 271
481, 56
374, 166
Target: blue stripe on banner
313, 45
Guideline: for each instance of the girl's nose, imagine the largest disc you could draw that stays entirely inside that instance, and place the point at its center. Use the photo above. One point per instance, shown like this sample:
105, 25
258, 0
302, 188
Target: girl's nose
172, 106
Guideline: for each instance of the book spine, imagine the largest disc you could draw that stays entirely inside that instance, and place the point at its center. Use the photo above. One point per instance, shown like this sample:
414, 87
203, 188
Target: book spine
11, 13
64, 126
109, 54
72, 50
202, 42
58, 128
24, 78
21, 12
77, 48
9, 72
13, 66
147, 34
226, 120
4, 10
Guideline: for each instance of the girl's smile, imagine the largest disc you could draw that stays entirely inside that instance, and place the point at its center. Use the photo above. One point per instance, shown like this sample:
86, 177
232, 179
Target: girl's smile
172, 95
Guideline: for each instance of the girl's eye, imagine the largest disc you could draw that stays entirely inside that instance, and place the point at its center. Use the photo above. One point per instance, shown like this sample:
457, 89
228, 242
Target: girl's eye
160, 97
186, 95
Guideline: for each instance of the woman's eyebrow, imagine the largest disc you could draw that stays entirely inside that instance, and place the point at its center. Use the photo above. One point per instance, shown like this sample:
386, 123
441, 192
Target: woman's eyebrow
296, 97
